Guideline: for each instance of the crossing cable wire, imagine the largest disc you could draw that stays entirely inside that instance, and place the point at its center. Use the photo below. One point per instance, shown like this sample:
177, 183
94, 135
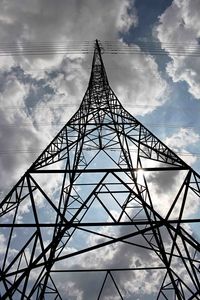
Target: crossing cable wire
45, 48
154, 48
50, 124
35, 151
60, 106
109, 47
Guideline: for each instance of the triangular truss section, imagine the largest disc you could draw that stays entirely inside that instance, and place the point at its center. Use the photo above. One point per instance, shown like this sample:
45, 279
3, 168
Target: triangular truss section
107, 211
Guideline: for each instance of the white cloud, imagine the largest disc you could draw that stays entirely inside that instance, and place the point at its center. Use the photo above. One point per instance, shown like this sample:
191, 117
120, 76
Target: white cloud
40, 21
179, 31
2, 243
71, 290
118, 255
181, 140
164, 186
124, 20
135, 79
16, 144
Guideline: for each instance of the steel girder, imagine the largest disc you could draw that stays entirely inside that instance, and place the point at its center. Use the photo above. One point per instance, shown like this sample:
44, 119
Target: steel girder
104, 204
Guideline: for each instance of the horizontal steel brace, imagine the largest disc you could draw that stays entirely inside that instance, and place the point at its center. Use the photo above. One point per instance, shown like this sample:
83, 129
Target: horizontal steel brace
174, 221
111, 170
109, 270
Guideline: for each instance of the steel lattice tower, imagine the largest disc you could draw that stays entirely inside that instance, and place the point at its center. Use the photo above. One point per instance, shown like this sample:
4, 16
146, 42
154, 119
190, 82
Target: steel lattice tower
115, 224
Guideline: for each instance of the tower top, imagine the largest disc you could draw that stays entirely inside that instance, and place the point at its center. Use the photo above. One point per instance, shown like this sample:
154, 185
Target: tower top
98, 73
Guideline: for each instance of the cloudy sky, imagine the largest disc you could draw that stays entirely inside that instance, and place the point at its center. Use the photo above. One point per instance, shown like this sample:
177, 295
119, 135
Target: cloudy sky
151, 53
38, 93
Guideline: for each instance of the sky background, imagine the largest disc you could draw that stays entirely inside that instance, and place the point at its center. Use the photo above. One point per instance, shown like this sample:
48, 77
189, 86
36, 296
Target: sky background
38, 93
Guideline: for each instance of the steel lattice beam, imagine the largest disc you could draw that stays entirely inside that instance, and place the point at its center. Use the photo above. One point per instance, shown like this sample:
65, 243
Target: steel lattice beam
108, 198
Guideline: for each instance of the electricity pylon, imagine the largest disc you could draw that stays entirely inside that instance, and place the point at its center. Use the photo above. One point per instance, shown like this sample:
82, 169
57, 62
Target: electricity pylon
107, 211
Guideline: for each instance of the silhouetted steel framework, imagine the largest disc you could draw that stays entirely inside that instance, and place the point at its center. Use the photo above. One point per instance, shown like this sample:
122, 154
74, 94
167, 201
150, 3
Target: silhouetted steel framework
103, 212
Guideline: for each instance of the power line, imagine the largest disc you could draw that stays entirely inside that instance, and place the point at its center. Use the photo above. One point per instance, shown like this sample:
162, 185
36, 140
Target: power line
38, 150
58, 106
46, 124
109, 47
